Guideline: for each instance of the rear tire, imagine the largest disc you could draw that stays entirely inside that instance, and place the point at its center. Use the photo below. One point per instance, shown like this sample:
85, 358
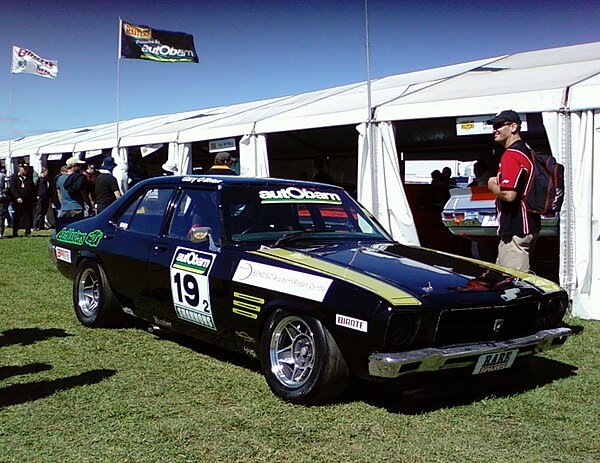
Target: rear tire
94, 302
301, 361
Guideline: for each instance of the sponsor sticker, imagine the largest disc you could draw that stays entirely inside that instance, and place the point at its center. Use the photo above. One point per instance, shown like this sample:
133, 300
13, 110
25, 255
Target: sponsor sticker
247, 305
245, 337
63, 254
352, 323
282, 280
79, 238
293, 194
190, 286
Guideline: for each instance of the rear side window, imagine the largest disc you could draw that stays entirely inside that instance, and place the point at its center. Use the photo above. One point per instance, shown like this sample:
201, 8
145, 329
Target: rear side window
146, 214
195, 208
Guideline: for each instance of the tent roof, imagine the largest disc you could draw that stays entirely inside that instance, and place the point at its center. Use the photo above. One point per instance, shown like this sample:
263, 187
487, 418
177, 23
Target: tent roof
532, 81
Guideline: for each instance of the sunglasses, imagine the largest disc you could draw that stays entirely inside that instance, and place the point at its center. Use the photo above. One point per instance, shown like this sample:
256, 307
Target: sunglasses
499, 125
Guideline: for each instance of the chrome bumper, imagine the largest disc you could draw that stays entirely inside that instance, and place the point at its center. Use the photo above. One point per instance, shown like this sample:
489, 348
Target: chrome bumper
393, 365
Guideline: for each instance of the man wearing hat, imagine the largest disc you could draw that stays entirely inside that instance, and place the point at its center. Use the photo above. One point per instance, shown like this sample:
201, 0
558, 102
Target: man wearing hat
22, 191
107, 188
518, 228
169, 168
222, 165
73, 193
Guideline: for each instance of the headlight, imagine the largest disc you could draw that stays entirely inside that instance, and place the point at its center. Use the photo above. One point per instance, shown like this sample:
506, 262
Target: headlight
401, 329
552, 312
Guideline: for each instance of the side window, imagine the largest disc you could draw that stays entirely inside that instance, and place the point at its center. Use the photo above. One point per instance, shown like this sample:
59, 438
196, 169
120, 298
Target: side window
195, 208
146, 214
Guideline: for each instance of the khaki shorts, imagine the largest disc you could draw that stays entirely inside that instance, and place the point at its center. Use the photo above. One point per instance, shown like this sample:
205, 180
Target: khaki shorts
515, 253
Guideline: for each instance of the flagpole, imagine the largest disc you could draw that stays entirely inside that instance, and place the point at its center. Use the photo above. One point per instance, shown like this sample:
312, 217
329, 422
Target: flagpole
368, 62
8, 165
119, 78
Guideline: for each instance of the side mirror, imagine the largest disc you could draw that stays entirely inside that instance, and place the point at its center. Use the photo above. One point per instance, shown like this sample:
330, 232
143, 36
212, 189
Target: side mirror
200, 234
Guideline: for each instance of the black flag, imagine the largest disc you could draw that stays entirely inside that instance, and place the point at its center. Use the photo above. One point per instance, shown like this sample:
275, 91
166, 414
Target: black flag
142, 42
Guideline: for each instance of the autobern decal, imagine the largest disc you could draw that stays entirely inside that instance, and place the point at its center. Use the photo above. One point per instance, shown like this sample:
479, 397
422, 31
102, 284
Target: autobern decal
282, 280
72, 236
298, 195
190, 286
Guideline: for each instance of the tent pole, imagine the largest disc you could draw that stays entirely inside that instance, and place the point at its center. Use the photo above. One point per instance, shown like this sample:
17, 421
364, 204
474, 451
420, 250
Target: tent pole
568, 233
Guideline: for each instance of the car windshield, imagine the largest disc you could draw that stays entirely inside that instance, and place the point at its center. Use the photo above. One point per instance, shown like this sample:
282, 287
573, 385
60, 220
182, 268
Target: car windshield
269, 213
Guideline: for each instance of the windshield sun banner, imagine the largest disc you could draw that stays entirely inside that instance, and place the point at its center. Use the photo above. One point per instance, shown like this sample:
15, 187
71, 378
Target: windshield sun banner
142, 42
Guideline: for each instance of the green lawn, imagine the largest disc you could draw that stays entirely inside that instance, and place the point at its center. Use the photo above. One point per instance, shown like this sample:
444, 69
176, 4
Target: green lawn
73, 394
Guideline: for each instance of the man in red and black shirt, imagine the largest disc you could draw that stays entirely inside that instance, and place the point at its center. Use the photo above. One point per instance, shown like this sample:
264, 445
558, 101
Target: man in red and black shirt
518, 228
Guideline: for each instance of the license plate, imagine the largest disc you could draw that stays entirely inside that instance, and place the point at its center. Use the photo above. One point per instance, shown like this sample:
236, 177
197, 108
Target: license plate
489, 221
495, 361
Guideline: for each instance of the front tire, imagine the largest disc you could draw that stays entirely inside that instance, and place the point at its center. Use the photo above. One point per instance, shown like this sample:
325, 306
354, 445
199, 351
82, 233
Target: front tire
301, 361
94, 302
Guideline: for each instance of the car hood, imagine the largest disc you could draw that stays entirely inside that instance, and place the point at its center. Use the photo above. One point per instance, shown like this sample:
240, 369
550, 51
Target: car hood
432, 277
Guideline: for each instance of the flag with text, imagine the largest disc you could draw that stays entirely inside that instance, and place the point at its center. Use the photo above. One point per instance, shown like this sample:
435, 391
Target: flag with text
142, 42
27, 62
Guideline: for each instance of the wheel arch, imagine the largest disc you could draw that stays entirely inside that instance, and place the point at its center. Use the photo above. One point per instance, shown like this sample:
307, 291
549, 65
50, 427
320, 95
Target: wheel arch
290, 305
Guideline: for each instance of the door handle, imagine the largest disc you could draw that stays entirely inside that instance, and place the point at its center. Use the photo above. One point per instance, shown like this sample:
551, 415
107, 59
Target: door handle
161, 246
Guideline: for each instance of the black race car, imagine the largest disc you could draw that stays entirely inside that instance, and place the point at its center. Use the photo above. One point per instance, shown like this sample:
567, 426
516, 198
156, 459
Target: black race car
300, 276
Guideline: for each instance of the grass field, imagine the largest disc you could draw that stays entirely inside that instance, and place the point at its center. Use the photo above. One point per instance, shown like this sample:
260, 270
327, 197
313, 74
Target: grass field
73, 394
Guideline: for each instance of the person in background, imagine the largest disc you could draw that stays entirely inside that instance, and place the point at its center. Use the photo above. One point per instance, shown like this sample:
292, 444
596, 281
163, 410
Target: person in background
90, 175
436, 178
518, 228
447, 177
22, 191
55, 193
319, 174
481, 174
222, 165
169, 168
73, 193
43, 200
3, 201
106, 187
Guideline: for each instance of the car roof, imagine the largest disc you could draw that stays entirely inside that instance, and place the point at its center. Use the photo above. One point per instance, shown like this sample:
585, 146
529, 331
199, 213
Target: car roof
231, 180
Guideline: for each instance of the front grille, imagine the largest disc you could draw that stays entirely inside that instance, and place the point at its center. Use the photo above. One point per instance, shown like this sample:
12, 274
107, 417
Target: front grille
466, 325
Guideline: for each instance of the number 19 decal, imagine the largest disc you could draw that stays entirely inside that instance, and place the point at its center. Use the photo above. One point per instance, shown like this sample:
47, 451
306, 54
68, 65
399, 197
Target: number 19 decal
190, 286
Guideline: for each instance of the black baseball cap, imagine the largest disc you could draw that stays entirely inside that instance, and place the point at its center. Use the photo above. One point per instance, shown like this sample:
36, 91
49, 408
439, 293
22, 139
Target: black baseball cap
504, 116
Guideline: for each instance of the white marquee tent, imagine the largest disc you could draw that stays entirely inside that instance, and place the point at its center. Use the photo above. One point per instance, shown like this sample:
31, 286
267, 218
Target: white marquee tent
563, 84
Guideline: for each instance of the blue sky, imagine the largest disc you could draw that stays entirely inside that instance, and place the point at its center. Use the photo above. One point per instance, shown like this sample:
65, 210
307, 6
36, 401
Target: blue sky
252, 50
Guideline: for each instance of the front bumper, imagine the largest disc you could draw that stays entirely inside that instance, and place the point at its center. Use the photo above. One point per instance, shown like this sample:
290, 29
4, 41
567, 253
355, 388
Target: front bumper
394, 365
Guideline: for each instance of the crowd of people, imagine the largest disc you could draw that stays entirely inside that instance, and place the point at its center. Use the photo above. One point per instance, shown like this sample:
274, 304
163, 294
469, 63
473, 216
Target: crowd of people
33, 201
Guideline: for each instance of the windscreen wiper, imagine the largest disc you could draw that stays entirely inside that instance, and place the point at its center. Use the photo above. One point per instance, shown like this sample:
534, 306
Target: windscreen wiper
299, 235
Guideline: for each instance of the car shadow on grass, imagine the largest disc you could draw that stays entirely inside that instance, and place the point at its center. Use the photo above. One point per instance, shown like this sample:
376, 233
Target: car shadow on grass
27, 336
417, 396
217, 352
22, 393
427, 395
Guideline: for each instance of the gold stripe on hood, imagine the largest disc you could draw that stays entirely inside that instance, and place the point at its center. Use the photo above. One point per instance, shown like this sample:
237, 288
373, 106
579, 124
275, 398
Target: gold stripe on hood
392, 294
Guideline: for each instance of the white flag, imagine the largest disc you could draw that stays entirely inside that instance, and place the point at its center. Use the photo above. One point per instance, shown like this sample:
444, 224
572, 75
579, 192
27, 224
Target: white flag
26, 61
147, 150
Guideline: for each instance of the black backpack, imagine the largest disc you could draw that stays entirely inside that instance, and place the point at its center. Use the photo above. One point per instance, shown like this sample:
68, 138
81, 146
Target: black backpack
546, 190
71, 182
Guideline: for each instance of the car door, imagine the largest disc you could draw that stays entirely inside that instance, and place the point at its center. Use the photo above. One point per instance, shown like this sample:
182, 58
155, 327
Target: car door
130, 242
184, 275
